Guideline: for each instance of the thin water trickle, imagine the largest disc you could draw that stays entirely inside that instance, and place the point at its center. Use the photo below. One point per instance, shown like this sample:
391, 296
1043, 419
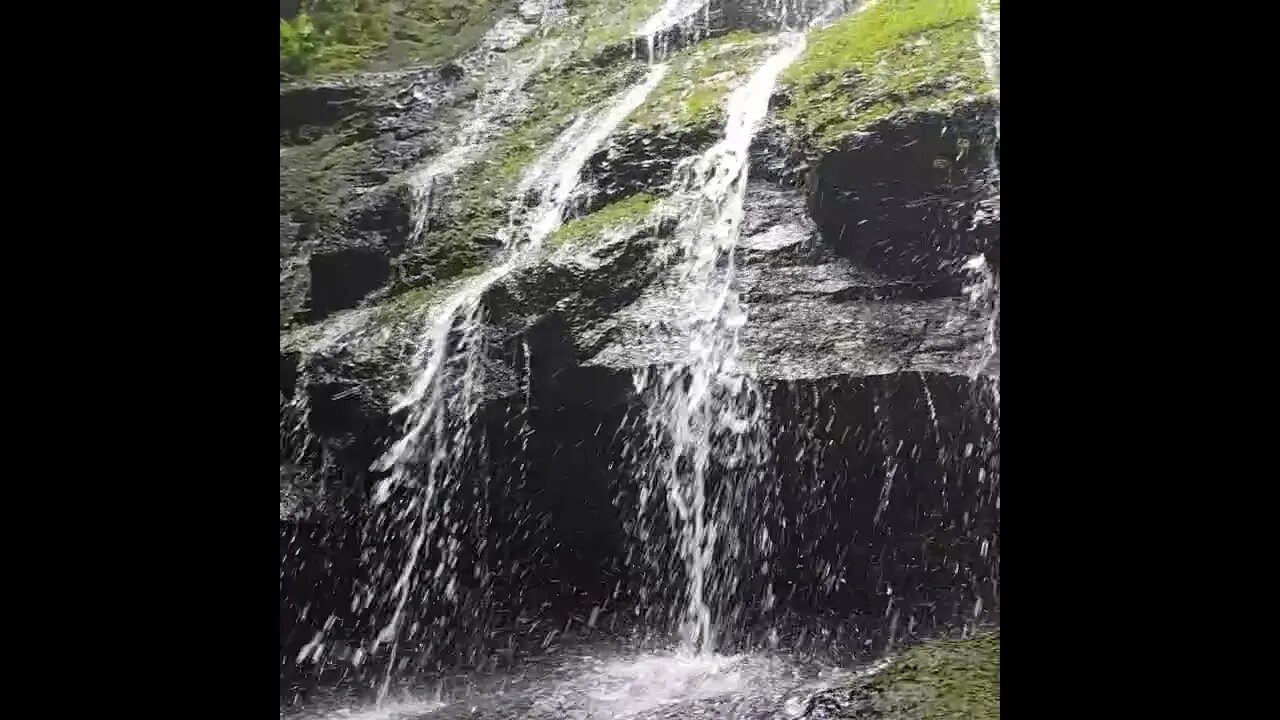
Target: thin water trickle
674, 14
705, 414
495, 100
575, 147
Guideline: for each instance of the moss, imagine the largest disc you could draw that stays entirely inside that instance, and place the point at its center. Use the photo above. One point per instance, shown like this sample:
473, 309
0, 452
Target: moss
897, 55
330, 36
411, 303
694, 91
944, 680
622, 212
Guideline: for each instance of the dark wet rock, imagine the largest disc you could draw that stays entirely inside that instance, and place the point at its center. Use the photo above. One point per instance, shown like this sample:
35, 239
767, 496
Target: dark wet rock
307, 109
342, 277
288, 373
887, 531
342, 173
641, 159
905, 199
811, 313
382, 218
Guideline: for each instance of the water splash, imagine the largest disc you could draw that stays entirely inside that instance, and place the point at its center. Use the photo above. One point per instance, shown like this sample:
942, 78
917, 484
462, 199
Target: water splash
984, 298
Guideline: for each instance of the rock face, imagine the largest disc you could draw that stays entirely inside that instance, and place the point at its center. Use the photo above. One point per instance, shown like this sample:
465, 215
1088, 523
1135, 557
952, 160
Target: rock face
852, 267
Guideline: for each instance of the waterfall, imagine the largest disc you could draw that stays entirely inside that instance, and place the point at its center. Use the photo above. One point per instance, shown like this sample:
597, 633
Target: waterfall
434, 456
746, 486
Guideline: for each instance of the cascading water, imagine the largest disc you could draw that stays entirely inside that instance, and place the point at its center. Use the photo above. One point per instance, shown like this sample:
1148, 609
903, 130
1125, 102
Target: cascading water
705, 494
430, 462
705, 415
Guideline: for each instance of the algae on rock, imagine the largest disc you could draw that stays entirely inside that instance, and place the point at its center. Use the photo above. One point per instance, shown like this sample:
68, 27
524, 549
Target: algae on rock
632, 209
893, 56
951, 679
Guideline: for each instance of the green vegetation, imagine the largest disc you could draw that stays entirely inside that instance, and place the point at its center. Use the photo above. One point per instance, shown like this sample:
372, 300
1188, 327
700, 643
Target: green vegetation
409, 304
616, 214
329, 36
701, 76
895, 55
402, 306
945, 680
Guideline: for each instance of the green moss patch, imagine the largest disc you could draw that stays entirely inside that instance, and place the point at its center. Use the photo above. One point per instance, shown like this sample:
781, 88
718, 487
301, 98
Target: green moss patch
944, 680
693, 92
331, 36
411, 303
896, 55
635, 208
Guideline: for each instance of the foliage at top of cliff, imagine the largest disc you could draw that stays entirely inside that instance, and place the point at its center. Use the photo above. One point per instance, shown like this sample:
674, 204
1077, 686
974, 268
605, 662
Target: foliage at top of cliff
891, 56
944, 680
329, 36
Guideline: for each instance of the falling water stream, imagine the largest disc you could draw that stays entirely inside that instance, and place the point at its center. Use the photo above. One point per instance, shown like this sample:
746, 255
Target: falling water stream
705, 413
